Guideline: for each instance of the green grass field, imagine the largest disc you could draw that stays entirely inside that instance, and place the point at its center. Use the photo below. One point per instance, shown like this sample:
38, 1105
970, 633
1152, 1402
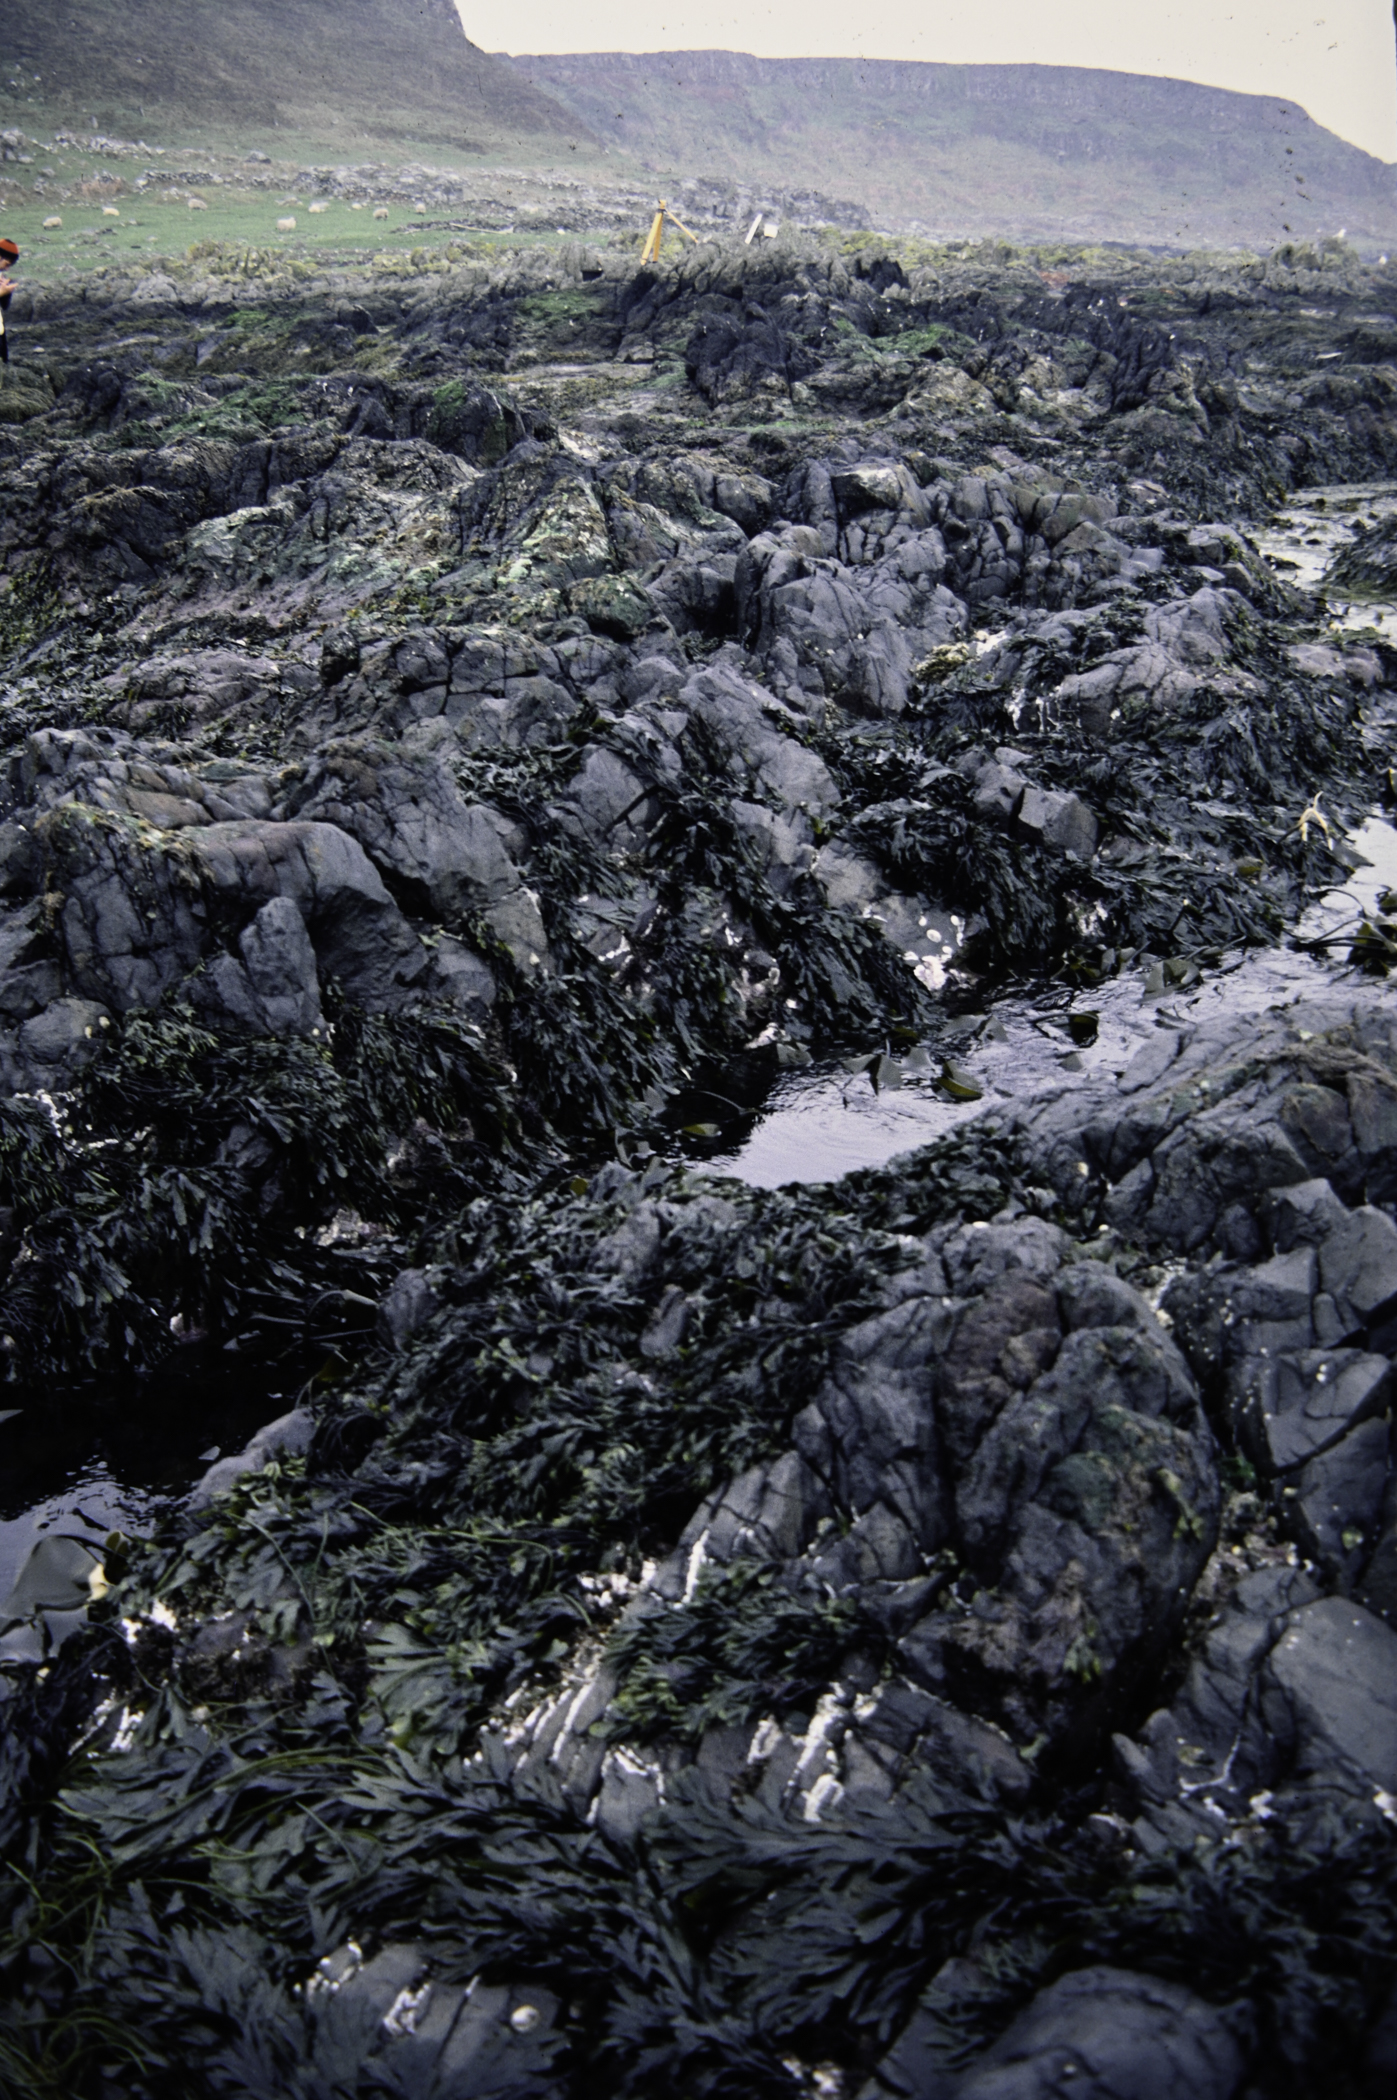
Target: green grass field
147, 231
106, 218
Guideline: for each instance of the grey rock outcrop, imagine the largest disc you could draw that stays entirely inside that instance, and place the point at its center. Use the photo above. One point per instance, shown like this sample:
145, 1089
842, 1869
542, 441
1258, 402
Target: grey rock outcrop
1102, 2032
412, 821
289, 1436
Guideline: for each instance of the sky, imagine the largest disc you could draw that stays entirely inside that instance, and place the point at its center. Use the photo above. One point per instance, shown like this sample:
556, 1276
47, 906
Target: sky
1336, 58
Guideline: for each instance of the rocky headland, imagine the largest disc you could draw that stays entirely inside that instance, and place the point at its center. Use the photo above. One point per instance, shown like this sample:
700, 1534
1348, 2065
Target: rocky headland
475, 726
385, 70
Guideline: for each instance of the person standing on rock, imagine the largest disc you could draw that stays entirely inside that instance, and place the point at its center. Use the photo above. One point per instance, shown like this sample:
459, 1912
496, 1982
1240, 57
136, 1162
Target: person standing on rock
9, 254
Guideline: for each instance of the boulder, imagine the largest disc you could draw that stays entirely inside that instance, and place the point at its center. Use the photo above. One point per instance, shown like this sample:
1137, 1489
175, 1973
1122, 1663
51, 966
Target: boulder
1358, 1266
271, 986
1215, 1748
1332, 1507
1290, 1407
1059, 820
443, 853
358, 933
734, 355
408, 1304
1330, 1684
289, 1436
750, 724
51, 1048
1105, 2033
133, 921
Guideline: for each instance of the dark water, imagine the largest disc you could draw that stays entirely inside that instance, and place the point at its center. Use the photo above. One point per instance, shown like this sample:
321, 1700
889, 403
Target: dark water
93, 1463
823, 1121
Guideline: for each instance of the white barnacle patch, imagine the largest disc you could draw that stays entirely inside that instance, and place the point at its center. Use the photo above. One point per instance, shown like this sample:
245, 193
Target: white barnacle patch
159, 1614
766, 1736
698, 1556
815, 1744
124, 1734
112, 1720
406, 2010
574, 1708
819, 2081
825, 1793
334, 1971
815, 1784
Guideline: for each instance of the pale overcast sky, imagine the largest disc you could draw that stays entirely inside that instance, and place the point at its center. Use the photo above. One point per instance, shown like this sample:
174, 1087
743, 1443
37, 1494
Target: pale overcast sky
1336, 58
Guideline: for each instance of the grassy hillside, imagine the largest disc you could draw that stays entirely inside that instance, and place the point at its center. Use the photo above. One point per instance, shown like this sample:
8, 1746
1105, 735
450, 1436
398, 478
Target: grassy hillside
1042, 151
334, 70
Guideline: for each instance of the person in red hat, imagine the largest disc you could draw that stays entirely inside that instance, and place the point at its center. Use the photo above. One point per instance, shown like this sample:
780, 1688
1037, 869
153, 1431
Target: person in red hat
9, 254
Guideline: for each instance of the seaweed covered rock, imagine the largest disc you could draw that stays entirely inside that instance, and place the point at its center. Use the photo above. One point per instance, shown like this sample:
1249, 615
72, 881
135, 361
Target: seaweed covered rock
1367, 567
469, 733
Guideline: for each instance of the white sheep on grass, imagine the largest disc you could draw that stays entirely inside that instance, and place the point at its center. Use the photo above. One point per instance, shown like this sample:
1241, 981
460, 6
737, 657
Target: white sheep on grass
382, 212
286, 225
322, 206
52, 225
196, 204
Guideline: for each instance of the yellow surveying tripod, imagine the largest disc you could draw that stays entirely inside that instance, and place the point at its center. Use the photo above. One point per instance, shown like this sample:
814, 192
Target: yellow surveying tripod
651, 251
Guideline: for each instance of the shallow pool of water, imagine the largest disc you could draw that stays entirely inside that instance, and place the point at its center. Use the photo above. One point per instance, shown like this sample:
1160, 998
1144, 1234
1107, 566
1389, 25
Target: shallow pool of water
822, 1122
91, 1503
99, 1462
1314, 528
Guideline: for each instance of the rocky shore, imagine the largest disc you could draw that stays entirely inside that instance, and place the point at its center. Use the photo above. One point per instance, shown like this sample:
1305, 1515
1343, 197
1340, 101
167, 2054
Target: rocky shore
473, 728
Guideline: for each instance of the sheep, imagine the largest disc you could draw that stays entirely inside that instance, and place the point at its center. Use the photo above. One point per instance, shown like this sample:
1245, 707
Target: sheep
321, 206
286, 225
196, 204
382, 212
52, 225
109, 211
419, 207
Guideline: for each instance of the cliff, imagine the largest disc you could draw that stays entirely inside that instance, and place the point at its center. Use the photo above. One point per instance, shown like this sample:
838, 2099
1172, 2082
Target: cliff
1034, 151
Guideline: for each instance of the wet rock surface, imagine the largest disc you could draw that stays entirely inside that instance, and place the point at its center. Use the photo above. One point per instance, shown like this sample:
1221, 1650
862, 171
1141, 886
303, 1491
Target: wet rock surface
928, 1634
